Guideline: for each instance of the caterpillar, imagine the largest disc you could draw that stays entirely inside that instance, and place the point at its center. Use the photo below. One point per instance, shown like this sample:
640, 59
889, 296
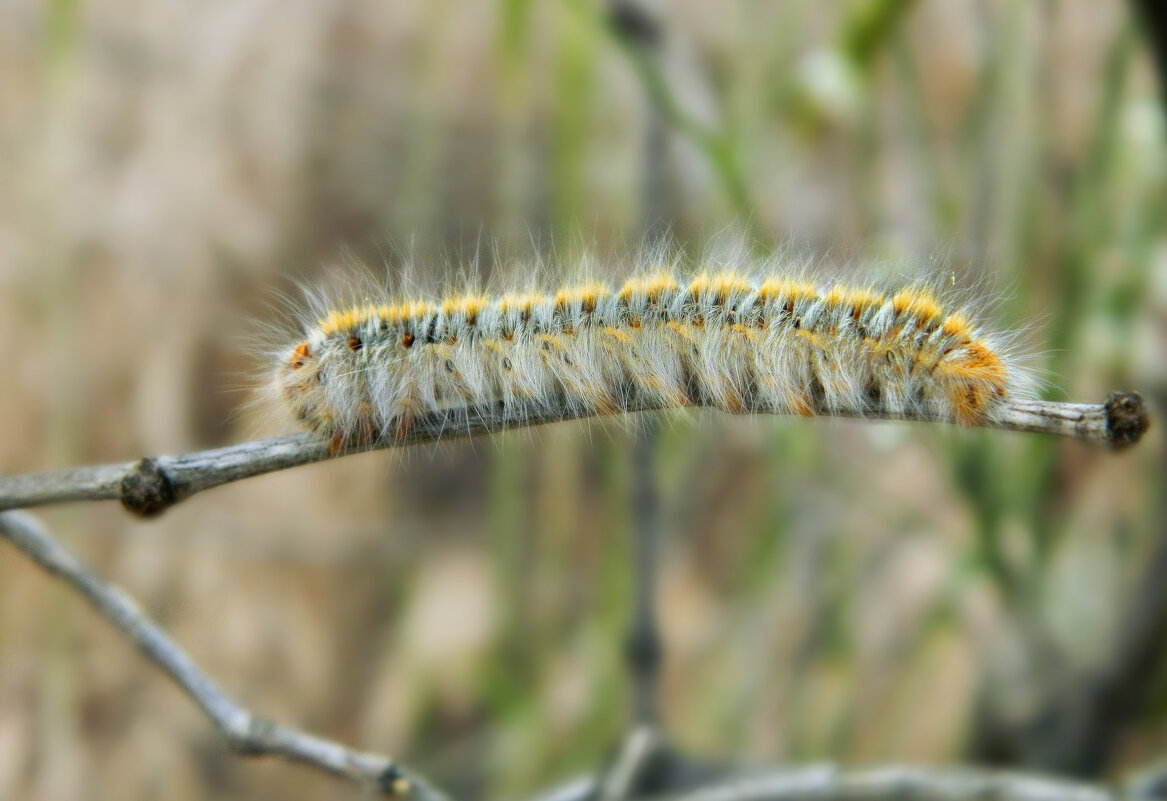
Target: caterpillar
727, 340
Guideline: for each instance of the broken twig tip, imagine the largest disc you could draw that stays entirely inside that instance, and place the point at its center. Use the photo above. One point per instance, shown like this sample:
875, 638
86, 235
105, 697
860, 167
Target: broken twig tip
1127, 419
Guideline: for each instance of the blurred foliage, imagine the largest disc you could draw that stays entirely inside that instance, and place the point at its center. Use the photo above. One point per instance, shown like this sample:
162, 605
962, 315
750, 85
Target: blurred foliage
828, 591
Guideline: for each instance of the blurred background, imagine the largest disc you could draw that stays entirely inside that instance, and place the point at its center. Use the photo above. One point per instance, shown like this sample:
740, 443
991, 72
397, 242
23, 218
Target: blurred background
828, 590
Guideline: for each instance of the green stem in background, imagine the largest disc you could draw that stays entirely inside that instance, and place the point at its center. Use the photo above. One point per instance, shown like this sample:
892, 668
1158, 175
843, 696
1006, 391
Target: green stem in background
57, 295
973, 465
514, 34
1090, 227
870, 28
718, 148
1138, 247
575, 84
959, 199
1091, 212
1030, 484
516, 662
62, 37
863, 38
943, 197
507, 680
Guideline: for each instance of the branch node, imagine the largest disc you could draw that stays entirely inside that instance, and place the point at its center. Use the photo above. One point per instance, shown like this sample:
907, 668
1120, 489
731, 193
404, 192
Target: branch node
642, 649
146, 490
250, 740
392, 782
1127, 419
635, 23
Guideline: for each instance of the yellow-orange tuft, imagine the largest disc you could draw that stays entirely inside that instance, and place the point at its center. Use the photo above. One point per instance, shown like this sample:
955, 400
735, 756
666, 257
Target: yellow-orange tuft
300, 356
976, 378
919, 305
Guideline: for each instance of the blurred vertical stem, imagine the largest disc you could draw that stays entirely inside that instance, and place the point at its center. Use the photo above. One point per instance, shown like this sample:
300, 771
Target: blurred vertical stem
976, 463
942, 199
977, 474
1091, 219
982, 136
58, 297
509, 679
425, 136
864, 37
785, 456
645, 33
760, 574
63, 33
58, 287
574, 81
718, 148
1154, 18
1090, 227
617, 575
870, 28
992, 482
643, 642
514, 29
512, 185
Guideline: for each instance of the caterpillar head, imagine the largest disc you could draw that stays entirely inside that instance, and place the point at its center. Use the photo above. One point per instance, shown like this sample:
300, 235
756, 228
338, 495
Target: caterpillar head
301, 379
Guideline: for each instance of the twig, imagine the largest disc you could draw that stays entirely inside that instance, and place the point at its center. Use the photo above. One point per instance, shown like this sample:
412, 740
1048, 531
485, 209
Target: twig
581, 788
826, 783
644, 29
624, 778
150, 486
642, 647
1147, 784
246, 733
830, 783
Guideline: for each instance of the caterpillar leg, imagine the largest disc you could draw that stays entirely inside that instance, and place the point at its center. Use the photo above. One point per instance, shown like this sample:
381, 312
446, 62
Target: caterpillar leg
362, 436
403, 426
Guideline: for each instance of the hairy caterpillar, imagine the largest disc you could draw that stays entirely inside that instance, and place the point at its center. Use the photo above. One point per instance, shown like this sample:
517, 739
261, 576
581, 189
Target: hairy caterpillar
727, 340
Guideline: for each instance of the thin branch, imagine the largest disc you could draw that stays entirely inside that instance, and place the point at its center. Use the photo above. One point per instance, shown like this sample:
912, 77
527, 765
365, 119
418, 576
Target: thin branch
1148, 783
581, 788
642, 646
625, 777
150, 486
246, 733
827, 783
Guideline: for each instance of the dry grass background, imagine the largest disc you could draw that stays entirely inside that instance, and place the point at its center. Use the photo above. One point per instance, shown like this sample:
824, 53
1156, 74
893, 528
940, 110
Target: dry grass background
828, 590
